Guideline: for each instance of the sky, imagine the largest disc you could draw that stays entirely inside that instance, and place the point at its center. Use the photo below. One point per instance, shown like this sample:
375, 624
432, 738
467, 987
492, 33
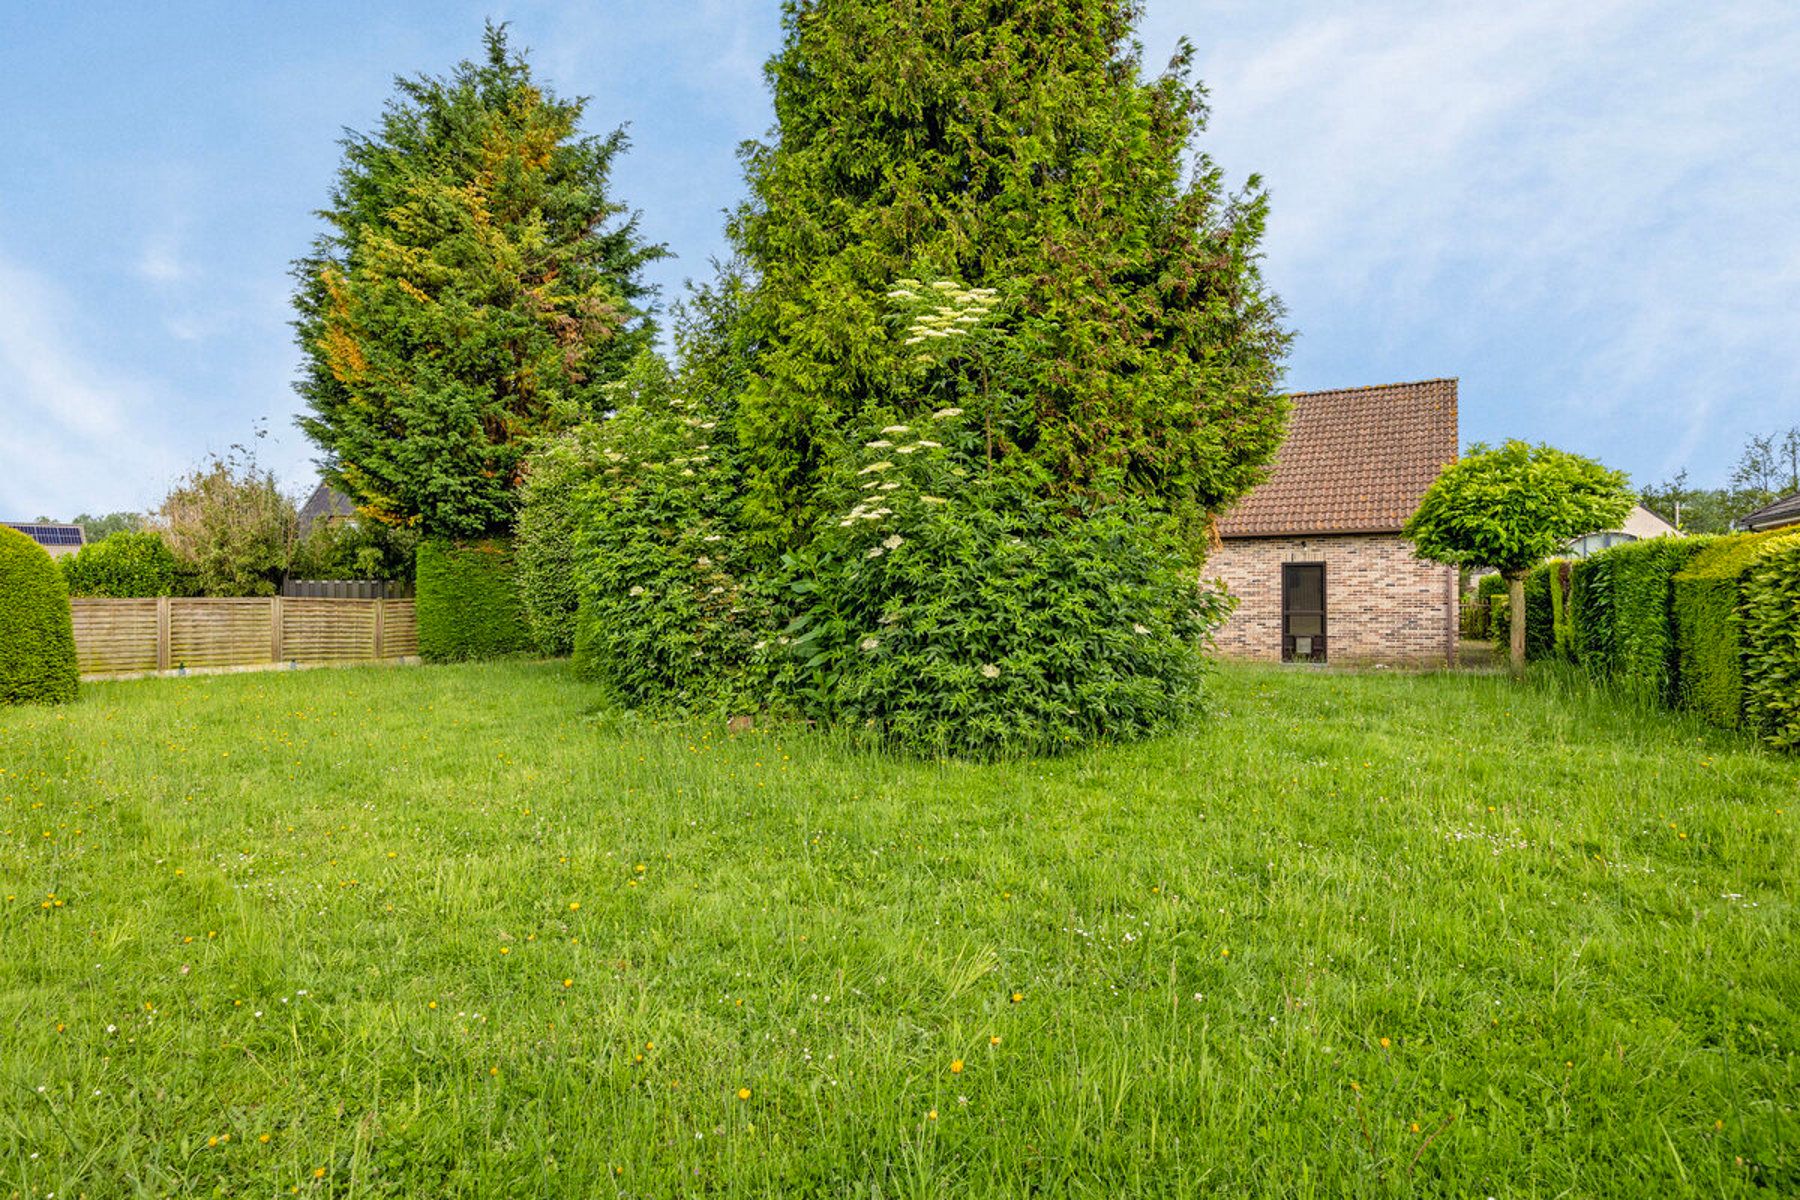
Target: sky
1588, 213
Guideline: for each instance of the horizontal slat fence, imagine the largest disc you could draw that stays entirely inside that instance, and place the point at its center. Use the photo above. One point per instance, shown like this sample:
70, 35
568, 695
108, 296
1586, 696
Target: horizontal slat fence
130, 637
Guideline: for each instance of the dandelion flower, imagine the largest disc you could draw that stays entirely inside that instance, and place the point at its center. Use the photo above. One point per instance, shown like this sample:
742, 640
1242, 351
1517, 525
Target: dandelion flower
956, 1067
932, 1115
1018, 997
743, 1093
994, 1041
1385, 1043
574, 906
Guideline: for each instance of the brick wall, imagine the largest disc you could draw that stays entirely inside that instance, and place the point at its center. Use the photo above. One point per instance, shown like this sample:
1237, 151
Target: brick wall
1381, 603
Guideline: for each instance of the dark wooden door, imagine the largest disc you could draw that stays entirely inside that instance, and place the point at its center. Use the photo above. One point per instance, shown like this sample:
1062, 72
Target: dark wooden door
1303, 612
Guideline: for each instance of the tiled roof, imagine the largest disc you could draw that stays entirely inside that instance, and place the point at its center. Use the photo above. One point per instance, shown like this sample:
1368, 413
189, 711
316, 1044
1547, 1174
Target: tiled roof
1356, 460
1779, 515
325, 502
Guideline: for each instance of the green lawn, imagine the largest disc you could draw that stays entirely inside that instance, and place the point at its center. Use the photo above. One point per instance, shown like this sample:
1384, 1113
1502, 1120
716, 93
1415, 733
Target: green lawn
457, 931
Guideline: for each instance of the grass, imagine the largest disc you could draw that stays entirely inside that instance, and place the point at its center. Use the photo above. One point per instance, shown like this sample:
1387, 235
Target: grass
455, 932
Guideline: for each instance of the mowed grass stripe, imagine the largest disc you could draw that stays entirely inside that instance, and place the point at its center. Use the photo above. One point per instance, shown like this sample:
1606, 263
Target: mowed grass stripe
395, 922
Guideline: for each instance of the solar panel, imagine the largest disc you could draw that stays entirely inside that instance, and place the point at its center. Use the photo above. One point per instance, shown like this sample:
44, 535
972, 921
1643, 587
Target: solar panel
49, 535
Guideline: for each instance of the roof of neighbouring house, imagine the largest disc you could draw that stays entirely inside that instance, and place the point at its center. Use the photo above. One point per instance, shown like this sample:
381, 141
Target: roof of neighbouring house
325, 502
1780, 514
1356, 460
49, 534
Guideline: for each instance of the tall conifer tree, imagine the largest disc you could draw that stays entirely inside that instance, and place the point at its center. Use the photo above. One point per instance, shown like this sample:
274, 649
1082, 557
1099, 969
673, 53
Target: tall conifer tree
477, 286
1013, 144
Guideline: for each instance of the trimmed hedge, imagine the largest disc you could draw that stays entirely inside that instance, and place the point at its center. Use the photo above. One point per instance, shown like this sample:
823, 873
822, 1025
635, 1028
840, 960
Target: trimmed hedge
1708, 625
1770, 623
1591, 613
122, 565
1540, 614
468, 601
1624, 614
37, 639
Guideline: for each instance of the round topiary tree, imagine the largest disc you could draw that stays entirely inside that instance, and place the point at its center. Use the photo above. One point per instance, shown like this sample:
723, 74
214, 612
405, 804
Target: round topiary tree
1512, 507
37, 639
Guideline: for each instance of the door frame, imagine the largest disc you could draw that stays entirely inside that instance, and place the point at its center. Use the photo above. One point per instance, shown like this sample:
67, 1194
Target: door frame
1323, 653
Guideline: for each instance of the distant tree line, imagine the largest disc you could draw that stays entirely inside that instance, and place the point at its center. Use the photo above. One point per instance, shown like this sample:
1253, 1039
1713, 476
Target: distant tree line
1768, 469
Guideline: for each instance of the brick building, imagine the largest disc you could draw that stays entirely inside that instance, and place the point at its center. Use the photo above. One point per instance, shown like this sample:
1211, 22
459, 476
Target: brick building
1315, 555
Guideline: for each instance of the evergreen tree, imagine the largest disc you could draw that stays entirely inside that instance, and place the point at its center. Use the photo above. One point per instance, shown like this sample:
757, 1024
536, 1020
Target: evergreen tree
476, 288
1015, 146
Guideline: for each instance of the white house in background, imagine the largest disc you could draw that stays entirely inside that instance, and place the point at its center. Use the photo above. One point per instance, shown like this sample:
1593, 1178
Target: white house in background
1639, 525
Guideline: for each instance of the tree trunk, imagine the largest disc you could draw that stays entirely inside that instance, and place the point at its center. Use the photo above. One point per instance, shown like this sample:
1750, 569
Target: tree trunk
1515, 593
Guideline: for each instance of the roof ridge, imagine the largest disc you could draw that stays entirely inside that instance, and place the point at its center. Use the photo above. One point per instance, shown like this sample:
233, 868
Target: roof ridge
1377, 387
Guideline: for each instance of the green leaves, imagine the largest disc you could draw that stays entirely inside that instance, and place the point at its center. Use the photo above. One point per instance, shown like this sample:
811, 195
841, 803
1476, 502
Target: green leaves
477, 288
1511, 508
37, 638
1137, 351
122, 564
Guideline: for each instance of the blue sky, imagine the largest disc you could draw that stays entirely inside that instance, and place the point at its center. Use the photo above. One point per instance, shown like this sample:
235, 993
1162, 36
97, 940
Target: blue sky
1590, 213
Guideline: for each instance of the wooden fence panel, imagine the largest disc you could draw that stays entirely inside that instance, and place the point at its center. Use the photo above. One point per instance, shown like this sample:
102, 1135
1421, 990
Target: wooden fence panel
400, 629
114, 637
314, 631
219, 633
128, 637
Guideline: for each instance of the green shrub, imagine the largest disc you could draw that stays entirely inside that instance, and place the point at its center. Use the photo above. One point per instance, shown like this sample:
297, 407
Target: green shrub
1491, 587
37, 640
122, 565
362, 548
1770, 624
1708, 630
1540, 614
544, 540
670, 607
1640, 643
1591, 613
951, 611
468, 602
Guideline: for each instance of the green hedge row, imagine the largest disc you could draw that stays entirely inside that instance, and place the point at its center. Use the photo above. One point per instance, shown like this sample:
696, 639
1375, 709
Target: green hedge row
122, 564
1708, 624
1624, 627
1769, 618
1711, 598
37, 639
468, 601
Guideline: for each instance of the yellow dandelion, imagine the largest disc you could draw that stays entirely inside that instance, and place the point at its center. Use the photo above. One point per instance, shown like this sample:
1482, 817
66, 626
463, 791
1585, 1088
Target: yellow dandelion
956, 1067
568, 983
506, 949
994, 1041
264, 1138
212, 1141
1415, 1127
932, 1115
1385, 1043
493, 1070
318, 1172
574, 906
1018, 997
743, 1093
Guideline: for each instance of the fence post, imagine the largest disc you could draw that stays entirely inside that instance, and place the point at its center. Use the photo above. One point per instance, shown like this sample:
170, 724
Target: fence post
380, 625
162, 633
275, 618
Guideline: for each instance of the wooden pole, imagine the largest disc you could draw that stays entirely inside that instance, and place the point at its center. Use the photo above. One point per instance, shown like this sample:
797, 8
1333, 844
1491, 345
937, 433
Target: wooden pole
275, 619
162, 633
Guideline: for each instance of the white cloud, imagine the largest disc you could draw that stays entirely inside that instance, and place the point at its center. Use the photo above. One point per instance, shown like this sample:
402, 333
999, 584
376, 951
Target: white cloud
1590, 212
77, 435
